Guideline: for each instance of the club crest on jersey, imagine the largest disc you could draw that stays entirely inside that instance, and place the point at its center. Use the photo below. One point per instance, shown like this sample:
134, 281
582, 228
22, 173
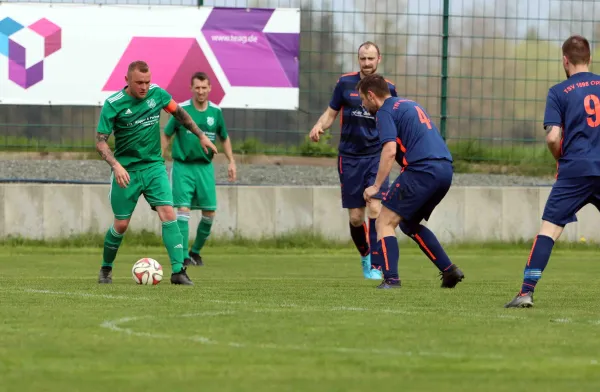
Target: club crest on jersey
362, 112
210, 121
151, 103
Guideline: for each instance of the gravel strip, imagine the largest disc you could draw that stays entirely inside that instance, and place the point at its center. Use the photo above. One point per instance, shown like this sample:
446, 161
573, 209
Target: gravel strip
250, 174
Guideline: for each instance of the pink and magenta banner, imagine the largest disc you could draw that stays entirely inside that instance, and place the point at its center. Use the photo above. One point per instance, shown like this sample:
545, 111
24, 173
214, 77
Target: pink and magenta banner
238, 34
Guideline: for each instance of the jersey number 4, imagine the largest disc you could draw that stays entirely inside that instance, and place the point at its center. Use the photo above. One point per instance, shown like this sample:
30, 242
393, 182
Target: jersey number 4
592, 108
425, 120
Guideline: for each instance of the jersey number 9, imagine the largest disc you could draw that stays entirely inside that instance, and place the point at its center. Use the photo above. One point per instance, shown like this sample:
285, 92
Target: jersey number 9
592, 108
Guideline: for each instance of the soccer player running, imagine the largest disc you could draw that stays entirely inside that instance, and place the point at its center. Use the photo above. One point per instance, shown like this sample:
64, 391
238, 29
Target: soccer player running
571, 121
137, 165
193, 174
409, 136
358, 156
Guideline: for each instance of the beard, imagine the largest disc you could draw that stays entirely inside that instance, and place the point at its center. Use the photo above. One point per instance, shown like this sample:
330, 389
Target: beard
369, 71
567, 73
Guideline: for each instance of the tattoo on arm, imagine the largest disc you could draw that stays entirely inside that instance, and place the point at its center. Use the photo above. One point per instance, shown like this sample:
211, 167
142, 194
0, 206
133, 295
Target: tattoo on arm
104, 150
184, 119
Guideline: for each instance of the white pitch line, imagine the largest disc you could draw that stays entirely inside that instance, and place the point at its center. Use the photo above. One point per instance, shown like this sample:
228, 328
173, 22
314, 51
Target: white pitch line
220, 301
110, 296
115, 326
82, 295
561, 320
350, 309
511, 317
298, 308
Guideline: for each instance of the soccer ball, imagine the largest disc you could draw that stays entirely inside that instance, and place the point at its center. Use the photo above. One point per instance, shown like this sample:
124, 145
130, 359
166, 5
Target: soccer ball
147, 271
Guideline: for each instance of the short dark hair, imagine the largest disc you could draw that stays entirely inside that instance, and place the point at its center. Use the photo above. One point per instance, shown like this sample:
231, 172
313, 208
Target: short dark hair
201, 76
577, 50
374, 83
139, 65
369, 43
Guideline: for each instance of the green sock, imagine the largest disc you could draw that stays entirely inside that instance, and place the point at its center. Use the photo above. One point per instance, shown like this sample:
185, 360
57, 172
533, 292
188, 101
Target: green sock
172, 240
183, 218
112, 241
202, 233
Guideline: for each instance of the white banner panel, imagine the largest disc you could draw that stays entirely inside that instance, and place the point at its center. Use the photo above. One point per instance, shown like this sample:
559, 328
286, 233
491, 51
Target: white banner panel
74, 54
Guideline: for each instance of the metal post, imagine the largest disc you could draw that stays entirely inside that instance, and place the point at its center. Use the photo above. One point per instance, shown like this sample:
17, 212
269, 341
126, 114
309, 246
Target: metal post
444, 87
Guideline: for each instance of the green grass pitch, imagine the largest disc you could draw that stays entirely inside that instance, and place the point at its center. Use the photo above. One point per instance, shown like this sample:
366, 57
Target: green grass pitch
296, 320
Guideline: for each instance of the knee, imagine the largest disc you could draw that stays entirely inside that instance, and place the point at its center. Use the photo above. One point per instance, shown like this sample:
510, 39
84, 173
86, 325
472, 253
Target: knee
170, 216
374, 208
208, 218
551, 230
387, 218
357, 217
121, 226
166, 213
183, 214
208, 215
356, 221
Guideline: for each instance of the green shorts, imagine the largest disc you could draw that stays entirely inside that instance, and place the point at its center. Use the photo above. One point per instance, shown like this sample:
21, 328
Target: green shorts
152, 182
194, 186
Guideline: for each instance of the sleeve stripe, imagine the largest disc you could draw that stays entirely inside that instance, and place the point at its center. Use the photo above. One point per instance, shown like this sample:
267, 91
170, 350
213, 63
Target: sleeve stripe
116, 97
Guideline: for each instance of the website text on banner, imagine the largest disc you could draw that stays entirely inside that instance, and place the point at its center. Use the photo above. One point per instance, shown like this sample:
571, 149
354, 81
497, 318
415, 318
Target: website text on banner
74, 54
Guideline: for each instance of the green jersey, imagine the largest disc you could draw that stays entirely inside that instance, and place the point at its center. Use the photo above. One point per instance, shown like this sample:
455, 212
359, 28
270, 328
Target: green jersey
186, 146
135, 123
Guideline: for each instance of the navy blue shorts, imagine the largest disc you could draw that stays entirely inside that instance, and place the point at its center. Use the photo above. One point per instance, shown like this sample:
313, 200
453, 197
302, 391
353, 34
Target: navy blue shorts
568, 196
356, 175
418, 190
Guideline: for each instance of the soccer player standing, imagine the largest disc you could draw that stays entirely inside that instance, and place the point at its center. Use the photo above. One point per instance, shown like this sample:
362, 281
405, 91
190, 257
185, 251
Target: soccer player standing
571, 121
409, 136
137, 165
193, 174
358, 156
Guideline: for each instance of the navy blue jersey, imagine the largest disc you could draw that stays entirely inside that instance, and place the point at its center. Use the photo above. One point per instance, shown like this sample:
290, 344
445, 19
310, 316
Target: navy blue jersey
408, 124
359, 133
574, 105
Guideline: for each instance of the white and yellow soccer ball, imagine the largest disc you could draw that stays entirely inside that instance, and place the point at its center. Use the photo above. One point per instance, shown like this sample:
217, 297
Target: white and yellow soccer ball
147, 271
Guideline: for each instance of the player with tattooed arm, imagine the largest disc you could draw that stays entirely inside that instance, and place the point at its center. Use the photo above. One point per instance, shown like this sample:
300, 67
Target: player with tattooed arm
137, 165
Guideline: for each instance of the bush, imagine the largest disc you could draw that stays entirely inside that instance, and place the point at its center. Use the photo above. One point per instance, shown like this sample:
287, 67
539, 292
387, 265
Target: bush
322, 148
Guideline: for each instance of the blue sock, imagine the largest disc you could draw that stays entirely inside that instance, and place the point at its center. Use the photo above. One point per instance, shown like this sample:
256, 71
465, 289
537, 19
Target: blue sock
432, 248
359, 236
538, 260
390, 253
373, 243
